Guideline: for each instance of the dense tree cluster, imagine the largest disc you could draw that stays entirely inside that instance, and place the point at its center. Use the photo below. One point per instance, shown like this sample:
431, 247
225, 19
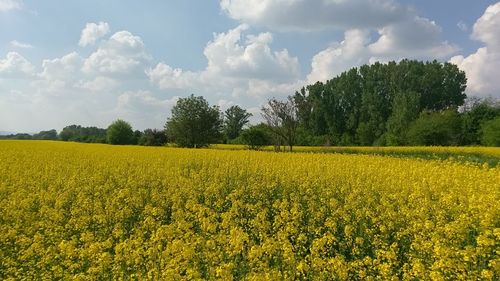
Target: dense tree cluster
375, 104
153, 137
83, 134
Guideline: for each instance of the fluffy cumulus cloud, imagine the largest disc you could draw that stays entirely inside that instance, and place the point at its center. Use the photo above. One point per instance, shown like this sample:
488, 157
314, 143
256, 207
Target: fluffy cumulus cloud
414, 38
93, 32
65, 67
86, 90
307, 15
119, 79
352, 51
482, 67
16, 66
235, 65
6, 5
122, 54
375, 30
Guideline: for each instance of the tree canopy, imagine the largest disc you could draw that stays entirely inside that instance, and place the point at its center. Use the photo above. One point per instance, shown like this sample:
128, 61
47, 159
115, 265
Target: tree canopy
282, 119
194, 123
120, 132
83, 134
373, 104
235, 118
153, 137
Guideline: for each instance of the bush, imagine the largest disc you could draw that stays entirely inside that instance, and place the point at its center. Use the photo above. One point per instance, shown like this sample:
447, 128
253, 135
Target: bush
255, 137
120, 132
490, 132
306, 138
153, 137
435, 128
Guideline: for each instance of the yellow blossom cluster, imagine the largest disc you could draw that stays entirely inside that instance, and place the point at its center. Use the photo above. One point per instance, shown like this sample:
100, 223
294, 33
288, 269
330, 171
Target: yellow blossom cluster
429, 150
99, 212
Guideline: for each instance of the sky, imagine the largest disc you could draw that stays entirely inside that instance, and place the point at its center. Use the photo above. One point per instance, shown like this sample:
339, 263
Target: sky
91, 62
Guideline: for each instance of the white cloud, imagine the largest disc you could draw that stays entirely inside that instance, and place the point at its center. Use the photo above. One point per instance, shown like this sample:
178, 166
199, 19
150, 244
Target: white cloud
7, 5
94, 90
144, 108
92, 32
167, 77
418, 38
307, 15
20, 45
412, 38
66, 67
401, 32
15, 66
122, 54
236, 65
482, 67
98, 84
341, 56
229, 55
487, 28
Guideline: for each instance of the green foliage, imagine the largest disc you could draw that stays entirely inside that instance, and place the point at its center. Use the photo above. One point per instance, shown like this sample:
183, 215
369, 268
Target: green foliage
476, 112
83, 134
120, 132
490, 132
282, 119
374, 104
194, 123
256, 137
21, 136
435, 128
137, 137
405, 109
46, 135
306, 138
153, 137
235, 118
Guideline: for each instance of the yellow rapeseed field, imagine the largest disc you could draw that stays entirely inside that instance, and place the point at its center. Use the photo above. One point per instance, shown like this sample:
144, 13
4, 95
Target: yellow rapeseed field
100, 212
448, 150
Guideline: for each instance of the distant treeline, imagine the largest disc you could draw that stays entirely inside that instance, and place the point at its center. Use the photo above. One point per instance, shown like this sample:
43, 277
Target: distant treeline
77, 133
405, 103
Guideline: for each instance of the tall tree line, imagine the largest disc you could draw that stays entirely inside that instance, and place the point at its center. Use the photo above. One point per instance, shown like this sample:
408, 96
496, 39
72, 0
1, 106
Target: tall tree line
375, 104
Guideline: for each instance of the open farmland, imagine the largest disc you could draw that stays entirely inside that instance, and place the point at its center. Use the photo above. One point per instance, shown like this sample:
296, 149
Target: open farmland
94, 212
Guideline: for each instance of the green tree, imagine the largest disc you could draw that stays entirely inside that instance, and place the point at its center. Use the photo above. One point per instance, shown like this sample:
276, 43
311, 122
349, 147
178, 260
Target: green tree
235, 118
405, 109
153, 137
363, 106
255, 137
83, 134
120, 132
137, 137
194, 123
281, 117
476, 111
435, 128
46, 135
490, 132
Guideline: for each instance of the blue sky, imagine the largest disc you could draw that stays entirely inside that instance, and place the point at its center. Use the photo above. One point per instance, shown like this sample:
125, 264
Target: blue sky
90, 62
